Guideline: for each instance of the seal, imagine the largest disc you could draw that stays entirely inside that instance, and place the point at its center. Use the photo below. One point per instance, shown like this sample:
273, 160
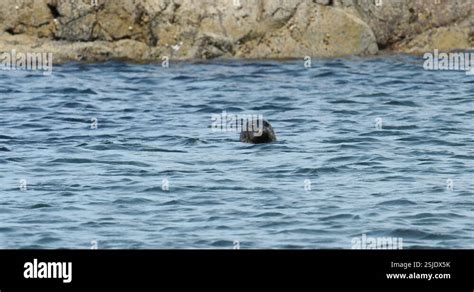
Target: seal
264, 135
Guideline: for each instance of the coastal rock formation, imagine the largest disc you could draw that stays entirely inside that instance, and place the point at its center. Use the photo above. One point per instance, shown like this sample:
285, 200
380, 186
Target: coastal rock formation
150, 30
417, 26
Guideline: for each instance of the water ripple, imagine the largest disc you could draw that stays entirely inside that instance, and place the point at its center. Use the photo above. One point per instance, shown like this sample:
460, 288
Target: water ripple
153, 174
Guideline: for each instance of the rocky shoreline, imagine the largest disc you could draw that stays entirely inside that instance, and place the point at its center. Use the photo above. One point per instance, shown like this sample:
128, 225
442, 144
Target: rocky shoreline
153, 30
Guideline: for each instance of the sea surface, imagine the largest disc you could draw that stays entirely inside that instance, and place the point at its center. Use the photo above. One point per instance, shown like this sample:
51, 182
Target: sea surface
366, 147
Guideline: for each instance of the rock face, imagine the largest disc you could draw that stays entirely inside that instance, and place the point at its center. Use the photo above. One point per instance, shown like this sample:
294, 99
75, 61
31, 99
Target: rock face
151, 30
417, 26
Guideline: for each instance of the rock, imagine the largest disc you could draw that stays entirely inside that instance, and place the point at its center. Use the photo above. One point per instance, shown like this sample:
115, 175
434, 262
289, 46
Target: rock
443, 39
25, 17
212, 46
316, 31
402, 25
98, 51
146, 30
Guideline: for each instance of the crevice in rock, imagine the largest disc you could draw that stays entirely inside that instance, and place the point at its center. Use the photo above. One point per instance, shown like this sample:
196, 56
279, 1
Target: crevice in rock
221, 22
152, 40
54, 11
250, 36
11, 31
383, 46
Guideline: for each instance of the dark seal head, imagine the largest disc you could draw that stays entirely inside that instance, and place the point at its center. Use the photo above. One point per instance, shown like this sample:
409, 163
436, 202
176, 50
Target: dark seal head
258, 134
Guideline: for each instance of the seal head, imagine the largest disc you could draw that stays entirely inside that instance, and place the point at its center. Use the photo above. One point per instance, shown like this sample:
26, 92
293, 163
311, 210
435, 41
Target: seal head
264, 134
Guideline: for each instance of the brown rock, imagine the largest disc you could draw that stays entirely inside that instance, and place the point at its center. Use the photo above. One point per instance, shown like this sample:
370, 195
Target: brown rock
146, 30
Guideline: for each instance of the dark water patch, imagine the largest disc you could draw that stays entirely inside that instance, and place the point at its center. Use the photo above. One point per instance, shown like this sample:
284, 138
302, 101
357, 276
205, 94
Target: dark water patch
397, 202
273, 107
385, 132
336, 63
47, 240
395, 82
270, 214
5, 137
39, 206
328, 73
4, 90
350, 146
183, 78
214, 218
154, 189
431, 141
411, 88
7, 229
132, 201
172, 203
161, 150
71, 90
402, 103
193, 141
394, 127
343, 101
375, 94
223, 243
341, 82
275, 224
418, 234
304, 231
435, 215
282, 99
320, 170
73, 105
340, 217
15, 159
341, 159
91, 161
225, 188
30, 126
345, 112
438, 236
72, 160
401, 178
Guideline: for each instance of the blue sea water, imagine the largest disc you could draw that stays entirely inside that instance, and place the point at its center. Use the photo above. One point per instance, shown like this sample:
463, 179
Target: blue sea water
331, 177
